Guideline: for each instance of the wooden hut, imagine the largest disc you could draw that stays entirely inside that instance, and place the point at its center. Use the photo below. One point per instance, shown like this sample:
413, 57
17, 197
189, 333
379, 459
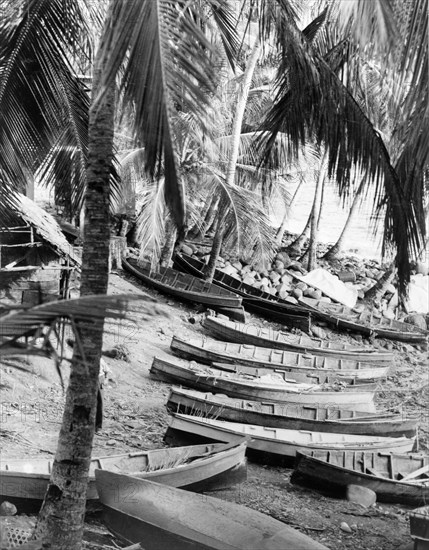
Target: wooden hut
36, 260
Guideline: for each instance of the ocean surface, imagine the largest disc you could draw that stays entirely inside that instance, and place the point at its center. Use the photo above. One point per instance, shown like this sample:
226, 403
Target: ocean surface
361, 239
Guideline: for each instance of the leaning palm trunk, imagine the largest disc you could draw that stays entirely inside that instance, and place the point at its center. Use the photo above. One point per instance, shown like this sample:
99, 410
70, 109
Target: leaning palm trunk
62, 515
208, 216
170, 240
333, 252
281, 230
376, 292
310, 255
235, 145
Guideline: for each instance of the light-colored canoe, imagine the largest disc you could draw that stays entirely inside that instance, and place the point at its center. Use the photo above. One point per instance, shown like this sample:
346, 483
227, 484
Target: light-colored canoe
290, 416
195, 467
270, 387
209, 351
165, 518
393, 477
276, 443
246, 333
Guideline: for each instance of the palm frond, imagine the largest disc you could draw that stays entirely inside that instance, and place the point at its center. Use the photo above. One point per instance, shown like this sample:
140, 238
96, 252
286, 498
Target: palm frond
151, 220
166, 69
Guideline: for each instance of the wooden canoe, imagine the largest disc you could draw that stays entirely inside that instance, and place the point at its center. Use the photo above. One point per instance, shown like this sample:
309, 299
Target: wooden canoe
364, 322
419, 528
209, 351
163, 518
382, 472
183, 286
251, 334
263, 303
272, 388
277, 445
197, 467
290, 416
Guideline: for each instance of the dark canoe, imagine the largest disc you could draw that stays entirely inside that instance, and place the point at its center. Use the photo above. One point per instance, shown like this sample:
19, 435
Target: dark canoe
290, 416
246, 333
208, 351
163, 518
419, 527
383, 473
254, 299
197, 468
277, 445
364, 322
183, 286
258, 389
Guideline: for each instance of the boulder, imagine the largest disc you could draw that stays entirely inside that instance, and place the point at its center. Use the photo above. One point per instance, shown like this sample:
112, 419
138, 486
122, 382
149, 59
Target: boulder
318, 332
301, 286
265, 281
229, 270
284, 258
248, 280
274, 276
286, 278
297, 293
238, 266
266, 288
279, 266
291, 300
283, 290
326, 299
391, 289
416, 319
389, 314
297, 266
315, 294
361, 495
7, 509
186, 249
257, 284
346, 527
246, 269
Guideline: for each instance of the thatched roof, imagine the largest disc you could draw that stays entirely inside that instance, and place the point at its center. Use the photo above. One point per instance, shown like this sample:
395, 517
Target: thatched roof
45, 226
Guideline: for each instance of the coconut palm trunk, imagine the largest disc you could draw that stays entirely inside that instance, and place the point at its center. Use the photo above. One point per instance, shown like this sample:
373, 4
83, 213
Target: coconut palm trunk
170, 240
334, 251
60, 521
281, 230
310, 255
233, 154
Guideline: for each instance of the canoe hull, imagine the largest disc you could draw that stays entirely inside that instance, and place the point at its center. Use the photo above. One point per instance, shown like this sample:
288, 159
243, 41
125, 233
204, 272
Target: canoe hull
212, 351
218, 470
264, 446
161, 517
333, 480
284, 416
249, 334
175, 374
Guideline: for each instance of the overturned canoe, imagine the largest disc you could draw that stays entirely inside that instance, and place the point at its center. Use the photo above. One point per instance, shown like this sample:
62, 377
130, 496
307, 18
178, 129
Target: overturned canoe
251, 334
269, 387
163, 518
183, 286
196, 467
209, 351
290, 416
263, 303
391, 476
277, 444
364, 322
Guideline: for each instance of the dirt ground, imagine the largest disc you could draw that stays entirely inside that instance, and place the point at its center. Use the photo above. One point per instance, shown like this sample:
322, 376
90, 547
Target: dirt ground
135, 418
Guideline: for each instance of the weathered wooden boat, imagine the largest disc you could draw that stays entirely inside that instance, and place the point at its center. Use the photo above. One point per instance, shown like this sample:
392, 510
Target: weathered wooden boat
277, 445
400, 478
196, 467
290, 416
183, 286
269, 387
419, 528
365, 322
250, 334
209, 351
263, 303
162, 518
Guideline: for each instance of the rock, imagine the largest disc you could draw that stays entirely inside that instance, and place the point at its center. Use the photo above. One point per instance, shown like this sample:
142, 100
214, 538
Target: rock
7, 509
283, 290
111, 443
279, 266
361, 495
248, 280
274, 276
186, 249
297, 293
422, 268
326, 299
238, 266
257, 284
229, 270
315, 294
284, 258
286, 278
390, 288
246, 269
265, 281
318, 332
266, 288
389, 314
291, 300
345, 527
301, 286
416, 319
